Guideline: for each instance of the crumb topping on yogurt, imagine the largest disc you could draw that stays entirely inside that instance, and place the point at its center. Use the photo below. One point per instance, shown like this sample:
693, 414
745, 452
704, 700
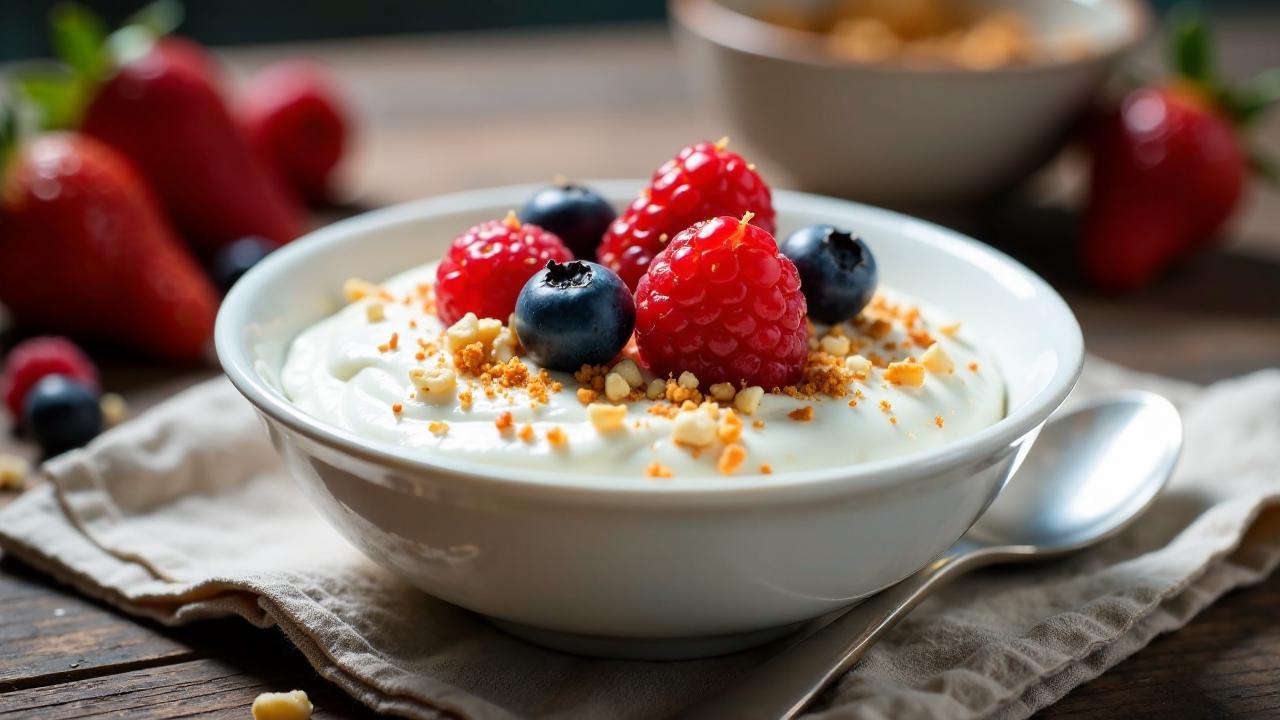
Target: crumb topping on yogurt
894, 380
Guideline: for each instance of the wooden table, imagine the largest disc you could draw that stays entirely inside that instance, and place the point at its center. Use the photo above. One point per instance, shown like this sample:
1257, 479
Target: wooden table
467, 111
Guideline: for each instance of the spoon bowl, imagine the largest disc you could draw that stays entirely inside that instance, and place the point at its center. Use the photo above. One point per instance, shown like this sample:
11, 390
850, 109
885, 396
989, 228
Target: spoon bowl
1089, 475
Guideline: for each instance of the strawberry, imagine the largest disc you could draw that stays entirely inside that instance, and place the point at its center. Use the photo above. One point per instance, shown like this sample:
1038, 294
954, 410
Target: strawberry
157, 100
85, 250
1169, 167
170, 120
298, 125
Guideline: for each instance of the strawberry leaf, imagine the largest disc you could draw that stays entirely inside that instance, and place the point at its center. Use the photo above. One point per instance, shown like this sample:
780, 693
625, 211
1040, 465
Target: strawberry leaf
1192, 46
79, 38
8, 134
53, 92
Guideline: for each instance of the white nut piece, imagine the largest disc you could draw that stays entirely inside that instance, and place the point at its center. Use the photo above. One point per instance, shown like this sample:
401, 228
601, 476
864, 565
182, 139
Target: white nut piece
630, 372
657, 389
695, 429
434, 385
687, 380
606, 417
747, 401
375, 311
858, 365
294, 705
723, 392
504, 345
616, 388
936, 360
356, 289
463, 333
833, 345
487, 330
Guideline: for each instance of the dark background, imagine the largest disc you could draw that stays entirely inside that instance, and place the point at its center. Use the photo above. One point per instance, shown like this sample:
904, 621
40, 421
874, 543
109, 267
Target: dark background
233, 22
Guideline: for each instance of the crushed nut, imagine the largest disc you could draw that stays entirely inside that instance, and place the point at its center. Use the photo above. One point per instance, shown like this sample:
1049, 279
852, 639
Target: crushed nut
695, 429
607, 417
375, 311
950, 330
629, 372
687, 380
438, 428
858, 365
723, 392
13, 472
747, 401
616, 388
114, 409
586, 395
293, 705
832, 345
910, 374
936, 360
657, 389
356, 289
434, 385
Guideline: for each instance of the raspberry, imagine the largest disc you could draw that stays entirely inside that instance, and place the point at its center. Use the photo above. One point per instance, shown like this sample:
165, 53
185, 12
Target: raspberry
33, 359
701, 182
721, 302
487, 266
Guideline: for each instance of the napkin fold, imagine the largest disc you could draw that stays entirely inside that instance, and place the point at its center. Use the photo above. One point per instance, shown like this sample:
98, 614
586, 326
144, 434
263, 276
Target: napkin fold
186, 514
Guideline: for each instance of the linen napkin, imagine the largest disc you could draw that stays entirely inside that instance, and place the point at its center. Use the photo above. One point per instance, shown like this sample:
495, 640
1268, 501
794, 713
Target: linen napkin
186, 514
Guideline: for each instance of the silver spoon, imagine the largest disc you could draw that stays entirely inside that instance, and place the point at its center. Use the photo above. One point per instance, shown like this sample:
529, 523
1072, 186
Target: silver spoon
1090, 473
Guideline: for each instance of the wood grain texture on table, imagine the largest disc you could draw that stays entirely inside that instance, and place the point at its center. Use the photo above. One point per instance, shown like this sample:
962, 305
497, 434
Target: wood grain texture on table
443, 114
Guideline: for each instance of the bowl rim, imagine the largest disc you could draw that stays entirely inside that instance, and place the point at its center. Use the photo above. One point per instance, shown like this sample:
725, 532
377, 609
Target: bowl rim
726, 27
238, 364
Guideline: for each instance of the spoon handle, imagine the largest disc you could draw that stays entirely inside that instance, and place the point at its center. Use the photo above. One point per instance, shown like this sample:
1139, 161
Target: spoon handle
784, 684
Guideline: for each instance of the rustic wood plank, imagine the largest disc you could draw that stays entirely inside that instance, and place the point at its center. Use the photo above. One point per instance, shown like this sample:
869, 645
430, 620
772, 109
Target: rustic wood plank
209, 688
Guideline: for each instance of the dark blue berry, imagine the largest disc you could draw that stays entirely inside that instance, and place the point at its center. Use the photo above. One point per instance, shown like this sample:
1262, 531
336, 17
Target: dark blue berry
574, 314
62, 414
576, 215
837, 271
234, 259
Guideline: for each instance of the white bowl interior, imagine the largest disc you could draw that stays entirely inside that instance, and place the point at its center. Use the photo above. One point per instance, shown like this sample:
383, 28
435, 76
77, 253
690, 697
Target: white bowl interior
1004, 306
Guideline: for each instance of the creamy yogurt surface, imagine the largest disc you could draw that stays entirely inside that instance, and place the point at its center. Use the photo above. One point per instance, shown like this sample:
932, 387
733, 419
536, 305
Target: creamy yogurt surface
353, 370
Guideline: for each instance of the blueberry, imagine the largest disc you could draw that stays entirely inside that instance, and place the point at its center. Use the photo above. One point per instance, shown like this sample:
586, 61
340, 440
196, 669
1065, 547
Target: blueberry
576, 215
837, 271
62, 414
234, 259
574, 314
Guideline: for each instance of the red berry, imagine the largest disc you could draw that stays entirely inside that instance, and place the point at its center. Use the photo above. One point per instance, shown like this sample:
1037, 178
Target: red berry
33, 359
487, 266
701, 182
721, 302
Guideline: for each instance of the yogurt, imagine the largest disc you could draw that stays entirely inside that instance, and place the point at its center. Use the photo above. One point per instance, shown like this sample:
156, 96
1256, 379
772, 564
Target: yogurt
899, 381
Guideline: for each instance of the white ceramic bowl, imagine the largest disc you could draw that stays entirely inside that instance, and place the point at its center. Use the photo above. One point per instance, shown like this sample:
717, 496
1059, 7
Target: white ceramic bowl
626, 565
896, 136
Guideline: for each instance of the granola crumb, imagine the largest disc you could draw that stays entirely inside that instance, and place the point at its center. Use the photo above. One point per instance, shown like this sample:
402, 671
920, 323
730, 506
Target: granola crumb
14, 471
731, 458
910, 374
803, 414
437, 427
397, 408
525, 433
607, 417
557, 437
973, 367
766, 469
504, 422
950, 330
694, 429
586, 396
757, 424
394, 342
375, 312
658, 470
937, 420
886, 406
730, 428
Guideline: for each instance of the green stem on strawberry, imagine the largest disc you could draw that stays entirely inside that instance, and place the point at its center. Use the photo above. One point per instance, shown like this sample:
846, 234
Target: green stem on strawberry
88, 54
8, 134
1192, 57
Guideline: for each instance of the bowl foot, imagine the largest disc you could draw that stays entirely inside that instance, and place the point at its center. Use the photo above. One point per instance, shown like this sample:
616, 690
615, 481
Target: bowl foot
625, 648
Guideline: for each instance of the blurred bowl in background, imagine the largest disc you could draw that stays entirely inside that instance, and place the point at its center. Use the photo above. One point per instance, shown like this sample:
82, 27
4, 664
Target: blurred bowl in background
895, 134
